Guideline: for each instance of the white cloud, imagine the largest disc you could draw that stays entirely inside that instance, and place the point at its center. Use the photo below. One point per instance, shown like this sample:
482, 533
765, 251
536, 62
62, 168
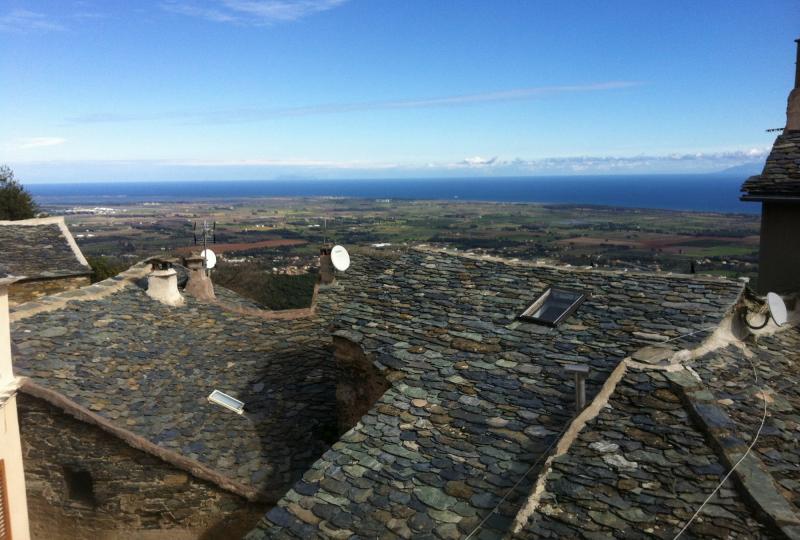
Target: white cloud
678, 162
297, 162
251, 12
266, 168
39, 142
478, 161
23, 21
255, 114
687, 162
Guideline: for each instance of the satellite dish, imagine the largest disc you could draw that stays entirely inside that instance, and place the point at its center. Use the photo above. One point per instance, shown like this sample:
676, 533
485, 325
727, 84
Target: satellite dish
210, 258
777, 309
340, 258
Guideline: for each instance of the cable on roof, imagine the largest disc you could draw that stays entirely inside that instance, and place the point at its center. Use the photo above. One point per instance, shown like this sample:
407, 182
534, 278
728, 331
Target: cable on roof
747, 453
512, 488
558, 438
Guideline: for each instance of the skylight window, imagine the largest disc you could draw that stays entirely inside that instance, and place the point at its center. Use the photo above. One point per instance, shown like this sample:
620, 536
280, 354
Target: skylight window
221, 398
553, 306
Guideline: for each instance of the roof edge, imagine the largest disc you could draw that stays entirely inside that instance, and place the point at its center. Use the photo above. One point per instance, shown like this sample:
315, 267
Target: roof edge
83, 414
767, 198
71, 242
533, 263
50, 220
95, 291
53, 220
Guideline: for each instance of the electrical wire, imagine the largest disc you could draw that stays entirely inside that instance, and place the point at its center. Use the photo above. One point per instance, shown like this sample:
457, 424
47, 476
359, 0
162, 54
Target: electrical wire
564, 429
512, 488
747, 452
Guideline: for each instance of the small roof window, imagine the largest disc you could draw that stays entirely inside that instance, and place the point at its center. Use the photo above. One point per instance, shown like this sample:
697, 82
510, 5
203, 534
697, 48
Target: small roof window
553, 306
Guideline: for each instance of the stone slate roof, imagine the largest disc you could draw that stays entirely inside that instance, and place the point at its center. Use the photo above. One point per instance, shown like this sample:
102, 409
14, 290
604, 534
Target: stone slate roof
39, 248
148, 368
665, 441
476, 397
728, 374
781, 174
640, 470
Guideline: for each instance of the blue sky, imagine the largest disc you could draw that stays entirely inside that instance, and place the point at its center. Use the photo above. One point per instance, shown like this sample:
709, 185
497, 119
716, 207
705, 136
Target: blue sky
252, 89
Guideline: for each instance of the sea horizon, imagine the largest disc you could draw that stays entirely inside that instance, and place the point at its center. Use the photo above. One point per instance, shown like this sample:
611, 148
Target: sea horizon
678, 192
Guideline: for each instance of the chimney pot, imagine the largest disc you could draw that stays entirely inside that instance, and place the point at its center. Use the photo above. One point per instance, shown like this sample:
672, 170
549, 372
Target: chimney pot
162, 284
326, 271
199, 284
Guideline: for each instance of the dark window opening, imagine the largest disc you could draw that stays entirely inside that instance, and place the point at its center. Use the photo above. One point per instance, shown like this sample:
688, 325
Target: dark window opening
553, 306
80, 486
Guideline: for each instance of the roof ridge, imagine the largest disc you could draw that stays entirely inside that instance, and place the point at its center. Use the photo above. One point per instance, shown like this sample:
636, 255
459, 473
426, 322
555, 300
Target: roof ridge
538, 263
94, 291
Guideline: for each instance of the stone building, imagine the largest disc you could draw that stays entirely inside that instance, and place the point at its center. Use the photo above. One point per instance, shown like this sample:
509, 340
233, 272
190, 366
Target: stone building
469, 428
777, 188
119, 435
13, 505
44, 251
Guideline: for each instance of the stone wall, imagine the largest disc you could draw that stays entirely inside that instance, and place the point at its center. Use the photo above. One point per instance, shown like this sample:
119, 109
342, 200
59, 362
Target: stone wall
25, 291
358, 383
131, 494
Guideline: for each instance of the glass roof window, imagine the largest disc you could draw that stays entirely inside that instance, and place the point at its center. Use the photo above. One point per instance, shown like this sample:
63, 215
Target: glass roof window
553, 306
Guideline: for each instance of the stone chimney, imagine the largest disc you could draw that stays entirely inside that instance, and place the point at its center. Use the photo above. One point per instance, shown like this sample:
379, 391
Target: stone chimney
326, 271
162, 284
199, 284
793, 107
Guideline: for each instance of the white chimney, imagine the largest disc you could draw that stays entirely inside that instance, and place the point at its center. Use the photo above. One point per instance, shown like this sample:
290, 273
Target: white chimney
162, 284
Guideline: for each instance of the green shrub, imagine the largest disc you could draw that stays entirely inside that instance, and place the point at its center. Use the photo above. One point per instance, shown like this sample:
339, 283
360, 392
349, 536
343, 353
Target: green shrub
105, 267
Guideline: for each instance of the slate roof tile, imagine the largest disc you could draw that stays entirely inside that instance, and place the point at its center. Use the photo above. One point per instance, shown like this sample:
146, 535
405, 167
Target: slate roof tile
477, 397
38, 250
640, 471
781, 174
149, 368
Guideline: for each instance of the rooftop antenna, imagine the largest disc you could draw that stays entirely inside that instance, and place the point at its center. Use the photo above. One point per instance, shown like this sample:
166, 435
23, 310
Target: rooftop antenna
208, 235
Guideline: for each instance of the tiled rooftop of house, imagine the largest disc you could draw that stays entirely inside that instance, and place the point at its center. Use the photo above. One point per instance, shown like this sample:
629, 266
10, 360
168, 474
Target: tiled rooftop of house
476, 397
781, 174
729, 375
640, 470
147, 368
665, 440
40, 248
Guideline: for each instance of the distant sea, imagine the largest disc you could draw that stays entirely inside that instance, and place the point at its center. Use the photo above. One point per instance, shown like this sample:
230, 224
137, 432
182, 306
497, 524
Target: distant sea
700, 193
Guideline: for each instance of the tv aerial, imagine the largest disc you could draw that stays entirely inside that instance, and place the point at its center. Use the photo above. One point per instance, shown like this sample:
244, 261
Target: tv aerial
340, 258
776, 310
208, 234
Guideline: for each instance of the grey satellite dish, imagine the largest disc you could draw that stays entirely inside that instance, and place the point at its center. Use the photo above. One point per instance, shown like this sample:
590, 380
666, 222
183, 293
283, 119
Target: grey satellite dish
777, 309
210, 257
340, 258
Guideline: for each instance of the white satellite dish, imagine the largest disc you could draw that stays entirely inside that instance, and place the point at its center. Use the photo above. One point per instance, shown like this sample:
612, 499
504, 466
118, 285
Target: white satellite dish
210, 257
777, 309
340, 258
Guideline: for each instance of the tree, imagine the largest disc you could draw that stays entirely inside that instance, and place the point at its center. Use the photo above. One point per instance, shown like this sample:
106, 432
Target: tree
15, 201
105, 267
